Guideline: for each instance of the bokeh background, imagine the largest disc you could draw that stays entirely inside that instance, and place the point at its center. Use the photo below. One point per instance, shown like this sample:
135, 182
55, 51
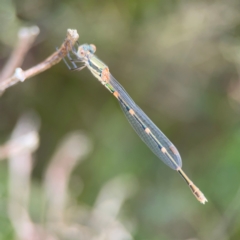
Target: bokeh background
180, 62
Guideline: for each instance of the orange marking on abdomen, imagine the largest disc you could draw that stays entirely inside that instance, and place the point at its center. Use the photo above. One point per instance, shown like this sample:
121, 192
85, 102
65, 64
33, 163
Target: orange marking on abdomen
131, 112
116, 94
105, 74
147, 130
163, 149
174, 150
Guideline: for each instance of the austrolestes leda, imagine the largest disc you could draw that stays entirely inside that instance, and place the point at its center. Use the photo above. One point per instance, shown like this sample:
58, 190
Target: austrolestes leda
160, 145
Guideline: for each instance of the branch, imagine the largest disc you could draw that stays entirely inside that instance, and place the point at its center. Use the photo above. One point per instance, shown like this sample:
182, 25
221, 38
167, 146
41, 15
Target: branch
71, 151
20, 75
24, 141
26, 37
25, 137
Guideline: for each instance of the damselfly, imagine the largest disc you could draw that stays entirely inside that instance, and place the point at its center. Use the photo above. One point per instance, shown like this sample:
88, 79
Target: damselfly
160, 145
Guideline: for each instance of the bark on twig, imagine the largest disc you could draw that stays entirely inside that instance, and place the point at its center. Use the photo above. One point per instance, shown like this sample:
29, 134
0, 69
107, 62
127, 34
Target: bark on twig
21, 75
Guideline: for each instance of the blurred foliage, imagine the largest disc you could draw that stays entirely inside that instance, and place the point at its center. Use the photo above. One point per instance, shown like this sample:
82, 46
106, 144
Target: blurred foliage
179, 60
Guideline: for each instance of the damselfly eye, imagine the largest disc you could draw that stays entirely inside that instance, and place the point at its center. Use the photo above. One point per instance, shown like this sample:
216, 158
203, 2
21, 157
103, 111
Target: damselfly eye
93, 48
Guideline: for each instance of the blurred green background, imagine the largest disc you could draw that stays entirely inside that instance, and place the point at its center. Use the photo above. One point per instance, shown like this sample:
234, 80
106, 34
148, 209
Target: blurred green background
179, 61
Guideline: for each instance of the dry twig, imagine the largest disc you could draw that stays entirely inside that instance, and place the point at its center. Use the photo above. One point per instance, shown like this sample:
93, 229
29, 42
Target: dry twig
26, 37
20, 75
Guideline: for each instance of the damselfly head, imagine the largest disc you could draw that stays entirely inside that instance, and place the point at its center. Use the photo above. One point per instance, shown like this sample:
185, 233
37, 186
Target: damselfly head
86, 49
